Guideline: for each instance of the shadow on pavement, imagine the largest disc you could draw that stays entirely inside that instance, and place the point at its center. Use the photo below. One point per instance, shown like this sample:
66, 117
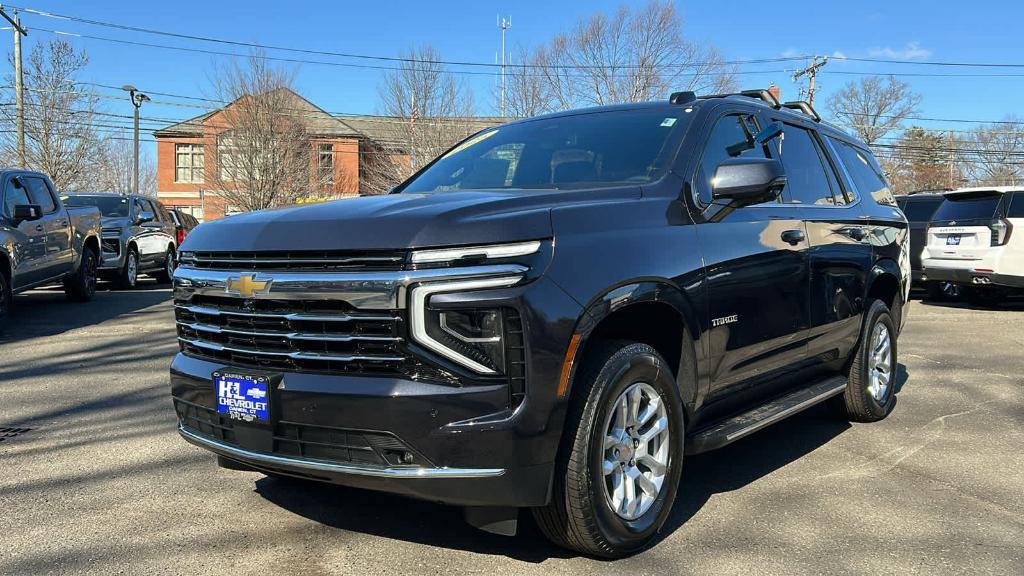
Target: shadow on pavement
724, 470
47, 312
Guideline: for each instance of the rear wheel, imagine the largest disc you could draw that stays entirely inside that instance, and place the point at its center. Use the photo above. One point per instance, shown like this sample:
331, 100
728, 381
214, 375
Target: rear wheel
943, 290
871, 391
621, 456
167, 274
81, 286
129, 274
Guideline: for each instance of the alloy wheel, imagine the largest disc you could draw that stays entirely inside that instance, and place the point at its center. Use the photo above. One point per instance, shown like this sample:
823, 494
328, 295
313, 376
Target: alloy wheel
880, 363
133, 269
636, 451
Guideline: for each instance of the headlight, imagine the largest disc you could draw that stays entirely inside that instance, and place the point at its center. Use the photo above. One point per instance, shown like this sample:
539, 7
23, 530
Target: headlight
472, 337
492, 251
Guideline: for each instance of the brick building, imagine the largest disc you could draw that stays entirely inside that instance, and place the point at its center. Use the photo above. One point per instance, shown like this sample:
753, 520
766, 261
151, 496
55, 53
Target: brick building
187, 154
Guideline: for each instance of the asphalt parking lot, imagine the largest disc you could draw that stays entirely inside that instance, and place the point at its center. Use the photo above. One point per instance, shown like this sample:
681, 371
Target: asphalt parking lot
101, 483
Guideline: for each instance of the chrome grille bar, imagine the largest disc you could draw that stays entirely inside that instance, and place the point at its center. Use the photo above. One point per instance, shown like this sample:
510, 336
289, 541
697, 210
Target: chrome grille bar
297, 316
292, 355
327, 337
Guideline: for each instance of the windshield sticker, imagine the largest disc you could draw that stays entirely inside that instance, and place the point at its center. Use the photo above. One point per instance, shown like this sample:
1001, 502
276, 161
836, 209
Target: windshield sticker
668, 122
470, 142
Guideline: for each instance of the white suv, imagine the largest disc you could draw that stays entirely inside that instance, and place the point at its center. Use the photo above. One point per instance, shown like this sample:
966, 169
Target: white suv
971, 240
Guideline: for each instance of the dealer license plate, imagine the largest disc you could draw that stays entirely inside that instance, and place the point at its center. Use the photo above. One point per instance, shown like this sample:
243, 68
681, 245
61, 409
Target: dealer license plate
953, 240
243, 397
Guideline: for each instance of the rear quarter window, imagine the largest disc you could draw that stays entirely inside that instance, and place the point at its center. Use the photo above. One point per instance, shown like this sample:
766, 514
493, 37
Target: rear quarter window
1016, 209
864, 171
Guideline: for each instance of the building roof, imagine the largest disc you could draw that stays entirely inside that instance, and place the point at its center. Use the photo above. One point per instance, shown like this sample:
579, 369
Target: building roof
318, 121
389, 131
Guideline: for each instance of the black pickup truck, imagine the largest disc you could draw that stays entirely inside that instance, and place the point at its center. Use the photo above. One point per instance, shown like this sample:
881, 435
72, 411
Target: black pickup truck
552, 314
44, 242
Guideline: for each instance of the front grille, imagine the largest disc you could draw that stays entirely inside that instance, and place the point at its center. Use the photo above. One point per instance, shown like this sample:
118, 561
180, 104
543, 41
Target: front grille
111, 231
307, 441
305, 336
333, 260
112, 245
515, 353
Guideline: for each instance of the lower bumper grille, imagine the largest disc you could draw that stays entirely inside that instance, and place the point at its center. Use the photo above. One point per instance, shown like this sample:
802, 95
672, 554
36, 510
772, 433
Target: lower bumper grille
329, 444
111, 245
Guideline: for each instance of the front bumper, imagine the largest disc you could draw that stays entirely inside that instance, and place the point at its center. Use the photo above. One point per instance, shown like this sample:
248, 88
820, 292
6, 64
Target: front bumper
456, 443
113, 254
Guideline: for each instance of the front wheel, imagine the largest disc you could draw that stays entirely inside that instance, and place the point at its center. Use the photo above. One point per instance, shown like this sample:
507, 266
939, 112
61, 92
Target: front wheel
81, 286
165, 275
871, 391
621, 456
129, 274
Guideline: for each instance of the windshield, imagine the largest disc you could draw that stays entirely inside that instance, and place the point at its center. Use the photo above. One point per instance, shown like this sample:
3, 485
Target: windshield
593, 150
968, 206
110, 206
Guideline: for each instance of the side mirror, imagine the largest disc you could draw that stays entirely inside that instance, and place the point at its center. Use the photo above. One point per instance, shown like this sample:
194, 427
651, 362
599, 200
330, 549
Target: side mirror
23, 212
773, 130
145, 216
746, 181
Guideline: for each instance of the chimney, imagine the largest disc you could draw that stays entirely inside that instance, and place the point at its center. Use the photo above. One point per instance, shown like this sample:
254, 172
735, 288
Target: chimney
774, 91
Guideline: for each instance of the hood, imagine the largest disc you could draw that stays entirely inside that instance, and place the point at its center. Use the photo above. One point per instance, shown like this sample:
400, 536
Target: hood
115, 222
387, 222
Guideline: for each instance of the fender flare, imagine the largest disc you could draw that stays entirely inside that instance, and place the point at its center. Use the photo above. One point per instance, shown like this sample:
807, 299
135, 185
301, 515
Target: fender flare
631, 293
889, 267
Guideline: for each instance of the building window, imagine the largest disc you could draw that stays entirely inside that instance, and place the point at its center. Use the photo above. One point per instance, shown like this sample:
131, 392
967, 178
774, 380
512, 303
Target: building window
325, 164
227, 158
189, 161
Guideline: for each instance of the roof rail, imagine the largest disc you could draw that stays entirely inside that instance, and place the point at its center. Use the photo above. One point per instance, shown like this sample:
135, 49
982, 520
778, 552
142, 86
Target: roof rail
757, 94
804, 107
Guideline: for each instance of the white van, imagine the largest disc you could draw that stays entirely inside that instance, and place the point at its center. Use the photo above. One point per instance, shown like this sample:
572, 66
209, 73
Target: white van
972, 240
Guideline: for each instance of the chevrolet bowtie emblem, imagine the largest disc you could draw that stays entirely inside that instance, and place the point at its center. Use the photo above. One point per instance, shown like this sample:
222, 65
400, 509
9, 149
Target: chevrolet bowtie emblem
247, 286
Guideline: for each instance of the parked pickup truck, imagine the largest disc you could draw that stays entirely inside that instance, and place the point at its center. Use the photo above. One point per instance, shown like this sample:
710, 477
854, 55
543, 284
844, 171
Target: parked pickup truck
552, 314
44, 242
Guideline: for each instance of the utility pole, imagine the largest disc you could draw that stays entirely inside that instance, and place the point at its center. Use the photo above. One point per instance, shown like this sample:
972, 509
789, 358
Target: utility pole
504, 24
19, 85
137, 99
951, 143
811, 71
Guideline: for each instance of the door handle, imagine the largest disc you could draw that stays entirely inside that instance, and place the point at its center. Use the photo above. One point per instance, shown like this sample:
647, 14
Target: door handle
63, 222
793, 237
858, 233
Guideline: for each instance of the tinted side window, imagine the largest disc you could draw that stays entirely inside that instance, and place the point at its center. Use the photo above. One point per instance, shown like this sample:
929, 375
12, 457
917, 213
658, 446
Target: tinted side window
14, 194
864, 172
1016, 206
807, 181
921, 210
731, 137
40, 194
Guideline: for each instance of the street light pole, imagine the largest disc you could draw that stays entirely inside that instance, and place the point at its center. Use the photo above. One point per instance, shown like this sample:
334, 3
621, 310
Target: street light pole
137, 99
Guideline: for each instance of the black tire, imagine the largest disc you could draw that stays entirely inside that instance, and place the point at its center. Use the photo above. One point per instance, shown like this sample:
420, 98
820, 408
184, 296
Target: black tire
165, 275
858, 403
81, 286
5, 298
580, 516
986, 297
126, 278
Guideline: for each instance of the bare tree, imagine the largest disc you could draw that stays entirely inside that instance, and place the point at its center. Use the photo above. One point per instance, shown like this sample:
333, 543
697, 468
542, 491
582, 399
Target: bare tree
60, 138
629, 56
873, 107
115, 162
263, 149
427, 111
993, 154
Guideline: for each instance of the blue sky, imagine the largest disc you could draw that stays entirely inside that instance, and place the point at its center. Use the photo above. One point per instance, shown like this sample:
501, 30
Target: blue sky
466, 30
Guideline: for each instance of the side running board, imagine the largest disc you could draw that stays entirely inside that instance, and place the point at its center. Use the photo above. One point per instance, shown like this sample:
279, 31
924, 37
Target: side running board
737, 427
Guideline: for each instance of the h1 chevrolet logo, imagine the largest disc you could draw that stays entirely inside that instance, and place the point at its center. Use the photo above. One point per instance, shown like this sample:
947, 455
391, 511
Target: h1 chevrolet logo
247, 286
